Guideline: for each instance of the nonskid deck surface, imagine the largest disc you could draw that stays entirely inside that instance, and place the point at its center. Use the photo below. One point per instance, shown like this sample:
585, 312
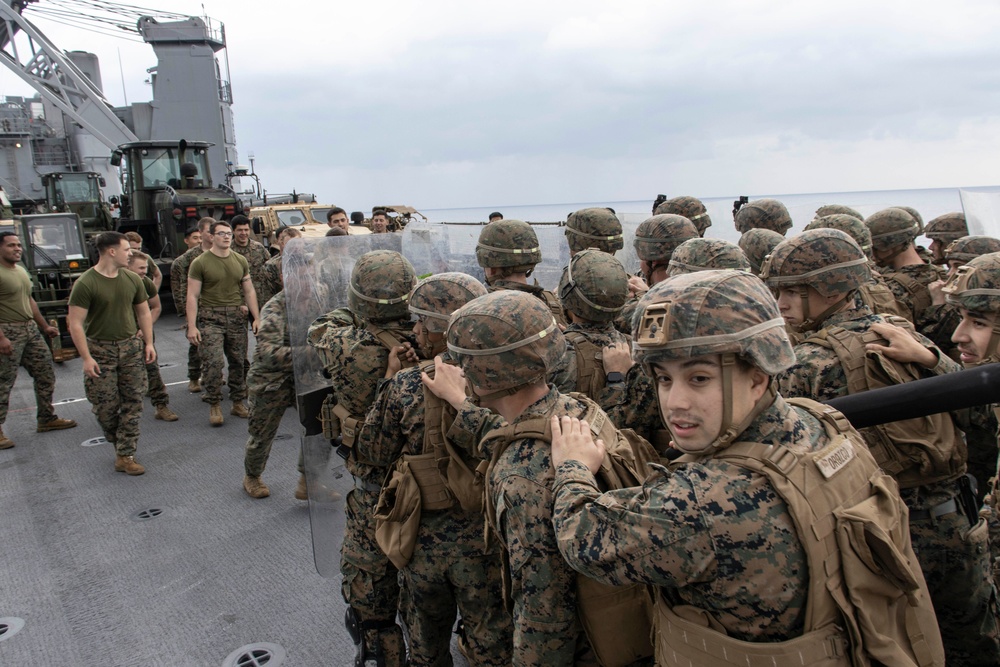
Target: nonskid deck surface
214, 571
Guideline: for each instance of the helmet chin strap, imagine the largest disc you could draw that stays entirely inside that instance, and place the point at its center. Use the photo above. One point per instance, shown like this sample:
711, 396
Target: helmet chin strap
812, 324
728, 432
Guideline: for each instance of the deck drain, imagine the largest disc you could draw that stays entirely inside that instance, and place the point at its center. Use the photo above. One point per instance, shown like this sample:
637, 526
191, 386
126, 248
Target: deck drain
93, 442
169, 364
147, 514
283, 436
256, 655
67, 401
10, 626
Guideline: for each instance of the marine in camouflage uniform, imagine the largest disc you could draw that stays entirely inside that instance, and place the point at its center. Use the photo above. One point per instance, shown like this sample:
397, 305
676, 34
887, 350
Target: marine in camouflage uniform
594, 228
689, 207
21, 324
271, 388
942, 231
157, 390
356, 360
954, 556
271, 281
255, 254
451, 566
541, 592
508, 251
717, 538
178, 288
893, 232
763, 214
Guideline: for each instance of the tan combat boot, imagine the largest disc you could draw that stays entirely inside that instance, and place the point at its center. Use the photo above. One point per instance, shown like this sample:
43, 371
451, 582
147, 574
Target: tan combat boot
215, 415
240, 410
194, 386
128, 465
5, 442
255, 488
166, 414
301, 492
55, 424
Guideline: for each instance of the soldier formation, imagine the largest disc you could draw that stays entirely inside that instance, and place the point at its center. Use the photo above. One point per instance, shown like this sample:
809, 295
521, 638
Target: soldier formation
659, 479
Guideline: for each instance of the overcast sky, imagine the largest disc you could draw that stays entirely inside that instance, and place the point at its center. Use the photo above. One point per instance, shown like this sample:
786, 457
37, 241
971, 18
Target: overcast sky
457, 103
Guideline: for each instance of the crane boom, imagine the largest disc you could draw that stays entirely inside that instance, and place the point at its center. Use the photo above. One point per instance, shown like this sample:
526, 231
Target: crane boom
54, 76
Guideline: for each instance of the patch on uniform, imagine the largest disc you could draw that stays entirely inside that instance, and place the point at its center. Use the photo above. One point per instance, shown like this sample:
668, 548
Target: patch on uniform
834, 456
598, 423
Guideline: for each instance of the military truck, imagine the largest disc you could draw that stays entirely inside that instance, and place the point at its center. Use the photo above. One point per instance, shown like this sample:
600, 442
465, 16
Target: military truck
308, 218
80, 193
55, 255
399, 216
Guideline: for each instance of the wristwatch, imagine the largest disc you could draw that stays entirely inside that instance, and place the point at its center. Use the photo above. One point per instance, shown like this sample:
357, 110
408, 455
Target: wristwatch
614, 377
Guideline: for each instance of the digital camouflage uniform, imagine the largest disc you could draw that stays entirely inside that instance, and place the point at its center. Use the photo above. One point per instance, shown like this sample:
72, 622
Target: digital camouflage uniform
953, 556
921, 275
451, 564
157, 390
271, 385
178, 286
271, 282
28, 350
256, 256
356, 361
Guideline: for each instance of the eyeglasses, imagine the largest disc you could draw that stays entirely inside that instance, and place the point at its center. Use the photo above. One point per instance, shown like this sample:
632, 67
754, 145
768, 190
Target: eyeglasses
224, 235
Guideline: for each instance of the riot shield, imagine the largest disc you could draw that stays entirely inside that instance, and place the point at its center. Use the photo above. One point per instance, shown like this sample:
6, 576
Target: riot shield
316, 274
982, 212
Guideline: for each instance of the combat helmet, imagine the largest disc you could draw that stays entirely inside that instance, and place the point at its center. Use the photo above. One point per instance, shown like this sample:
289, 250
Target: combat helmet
689, 207
947, 228
967, 248
704, 254
891, 228
725, 312
505, 340
850, 225
915, 214
657, 237
594, 228
757, 244
976, 287
436, 297
380, 287
594, 286
828, 260
508, 244
838, 209
763, 214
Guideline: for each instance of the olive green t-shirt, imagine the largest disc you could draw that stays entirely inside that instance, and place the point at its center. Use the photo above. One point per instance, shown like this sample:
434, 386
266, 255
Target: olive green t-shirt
15, 294
220, 278
109, 302
150, 287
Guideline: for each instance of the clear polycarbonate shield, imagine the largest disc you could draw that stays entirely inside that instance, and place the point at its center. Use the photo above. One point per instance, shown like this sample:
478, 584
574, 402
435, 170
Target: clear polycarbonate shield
438, 248
982, 212
317, 275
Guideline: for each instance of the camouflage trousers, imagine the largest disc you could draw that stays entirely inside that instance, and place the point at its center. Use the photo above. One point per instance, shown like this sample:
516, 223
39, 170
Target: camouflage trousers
157, 390
447, 573
956, 563
194, 363
223, 339
369, 583
116, 396
267, 407
29, 350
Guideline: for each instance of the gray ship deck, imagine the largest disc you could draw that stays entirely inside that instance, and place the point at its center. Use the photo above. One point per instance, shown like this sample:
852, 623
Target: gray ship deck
215, 571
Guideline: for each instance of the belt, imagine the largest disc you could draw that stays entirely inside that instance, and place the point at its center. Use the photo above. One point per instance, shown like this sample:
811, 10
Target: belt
113, 342
219, 307
947, 507
25, 323
366, 486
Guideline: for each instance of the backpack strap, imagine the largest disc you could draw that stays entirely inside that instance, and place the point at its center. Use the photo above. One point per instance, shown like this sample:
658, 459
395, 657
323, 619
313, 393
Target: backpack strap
590, 377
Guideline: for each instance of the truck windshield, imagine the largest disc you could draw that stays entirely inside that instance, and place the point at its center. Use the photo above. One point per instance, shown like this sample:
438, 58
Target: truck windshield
77, 188
53, 239
292, 217
162, 166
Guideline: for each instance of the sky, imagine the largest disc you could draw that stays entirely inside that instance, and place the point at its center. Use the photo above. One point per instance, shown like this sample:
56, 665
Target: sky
443, 103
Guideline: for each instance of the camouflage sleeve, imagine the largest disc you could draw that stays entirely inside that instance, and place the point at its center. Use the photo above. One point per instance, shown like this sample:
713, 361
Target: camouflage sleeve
938, 323
178, 284
945, 363
655, 534
903, 298
563, 376
817, 374
471, 425
392, 421
633, 404
543, 586
271, 337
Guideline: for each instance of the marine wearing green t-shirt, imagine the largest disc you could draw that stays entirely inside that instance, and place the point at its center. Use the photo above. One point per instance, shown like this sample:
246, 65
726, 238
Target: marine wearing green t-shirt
15, 294
109, 303
221, 279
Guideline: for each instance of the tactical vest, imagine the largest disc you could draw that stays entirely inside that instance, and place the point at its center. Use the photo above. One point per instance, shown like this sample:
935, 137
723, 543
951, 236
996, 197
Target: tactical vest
433, 480
917, 451
877, 296
920, 296
590, 375
867, 601
336, 418
616, 619
555, 305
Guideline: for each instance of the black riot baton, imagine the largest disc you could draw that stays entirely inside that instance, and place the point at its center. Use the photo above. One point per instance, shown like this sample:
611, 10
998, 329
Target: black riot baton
944, 393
